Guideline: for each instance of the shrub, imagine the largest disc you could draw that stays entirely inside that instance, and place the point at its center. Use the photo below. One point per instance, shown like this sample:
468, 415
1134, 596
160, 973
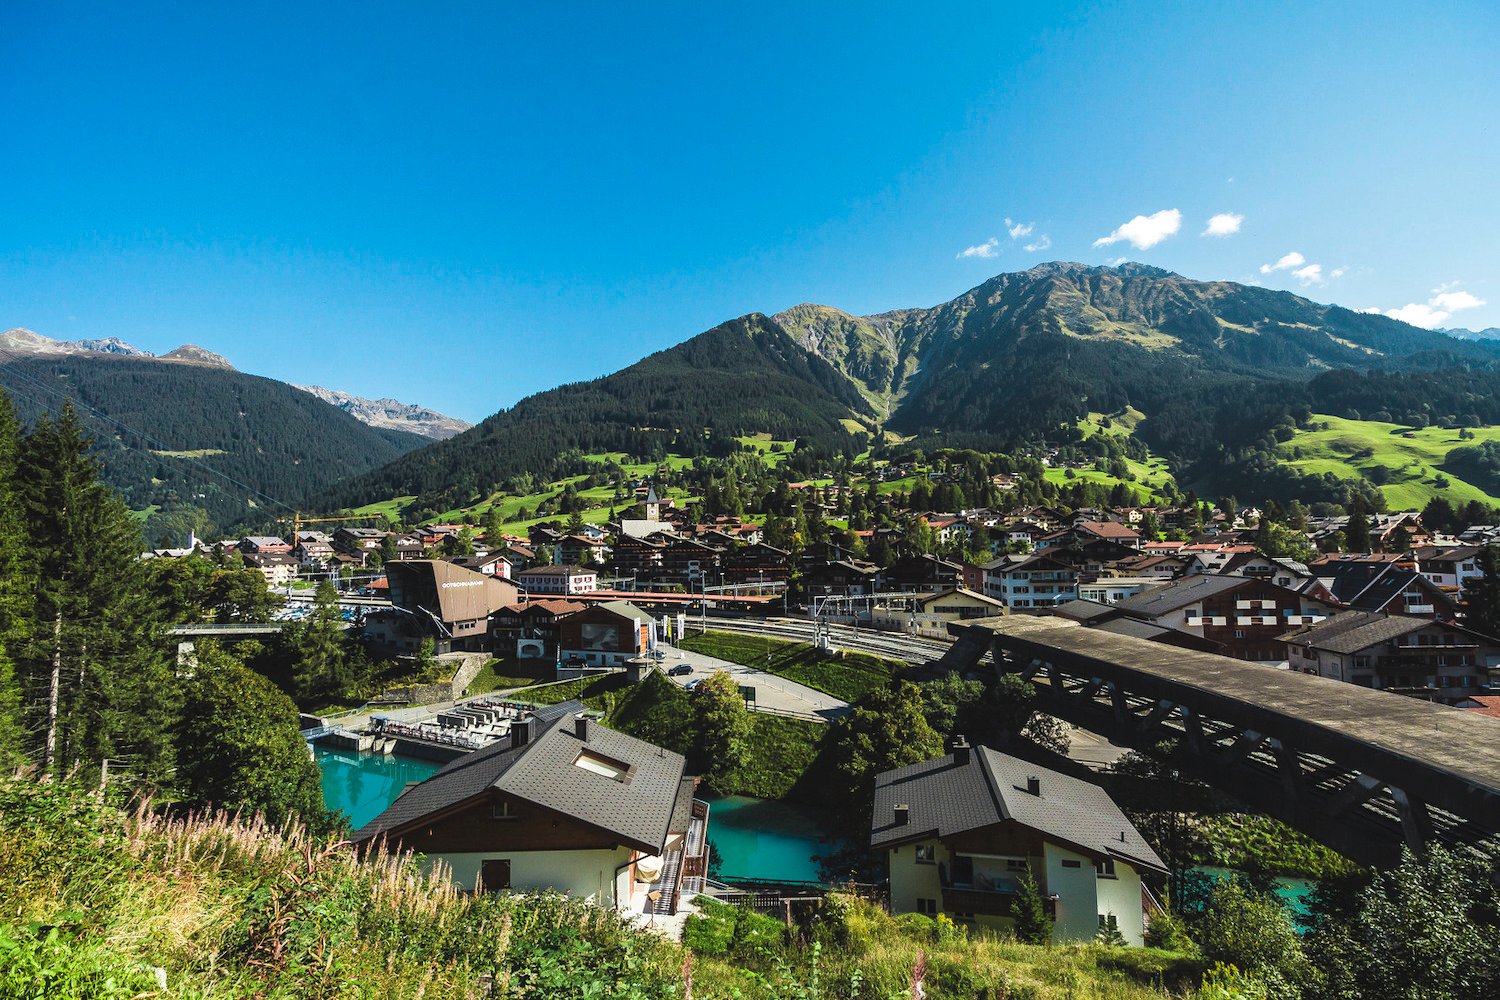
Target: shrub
708, 935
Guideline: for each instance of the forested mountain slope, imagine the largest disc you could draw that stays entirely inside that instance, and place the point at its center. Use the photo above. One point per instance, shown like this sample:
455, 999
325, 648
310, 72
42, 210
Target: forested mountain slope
170, 433
1016, 362
747, 375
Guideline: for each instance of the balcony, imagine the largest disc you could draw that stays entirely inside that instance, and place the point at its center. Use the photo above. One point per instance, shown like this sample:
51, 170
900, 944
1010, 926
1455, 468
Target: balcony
987, 902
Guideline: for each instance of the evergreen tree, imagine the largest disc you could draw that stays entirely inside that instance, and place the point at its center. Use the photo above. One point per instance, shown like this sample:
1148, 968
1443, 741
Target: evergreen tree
1029, 911
1357, 532
15, 582
321, 666
94, 670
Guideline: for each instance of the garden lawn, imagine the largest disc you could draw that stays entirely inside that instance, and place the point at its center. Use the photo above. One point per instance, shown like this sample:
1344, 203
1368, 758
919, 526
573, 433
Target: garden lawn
844, 675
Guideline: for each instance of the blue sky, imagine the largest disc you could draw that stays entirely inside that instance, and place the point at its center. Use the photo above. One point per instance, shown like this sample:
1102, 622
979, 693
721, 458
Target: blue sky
459, 205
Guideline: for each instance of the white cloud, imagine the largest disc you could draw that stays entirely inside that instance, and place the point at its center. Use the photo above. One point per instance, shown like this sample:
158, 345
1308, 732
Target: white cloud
1018, 229
1291, 260
1374, 310
1041, 244
1312, 274
1145, 231
1223, 224
1455, 301
1337, 272
988, 248
1446, 300
1118, 261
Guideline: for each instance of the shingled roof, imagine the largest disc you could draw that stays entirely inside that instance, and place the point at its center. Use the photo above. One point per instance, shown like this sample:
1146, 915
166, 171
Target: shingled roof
1179, 594
641, 811
946, 798
1351, 631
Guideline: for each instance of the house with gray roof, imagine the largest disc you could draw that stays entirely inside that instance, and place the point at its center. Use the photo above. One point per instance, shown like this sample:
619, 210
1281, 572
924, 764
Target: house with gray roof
1437, 660
962, 831
565, 803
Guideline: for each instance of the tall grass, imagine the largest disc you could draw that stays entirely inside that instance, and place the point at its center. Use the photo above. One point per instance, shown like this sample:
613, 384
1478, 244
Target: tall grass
107, 899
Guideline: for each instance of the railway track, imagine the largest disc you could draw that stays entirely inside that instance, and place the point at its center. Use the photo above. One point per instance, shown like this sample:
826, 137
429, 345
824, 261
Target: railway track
911, 649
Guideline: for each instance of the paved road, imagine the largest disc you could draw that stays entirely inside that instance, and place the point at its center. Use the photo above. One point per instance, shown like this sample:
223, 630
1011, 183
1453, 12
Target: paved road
1085, 747
777, 695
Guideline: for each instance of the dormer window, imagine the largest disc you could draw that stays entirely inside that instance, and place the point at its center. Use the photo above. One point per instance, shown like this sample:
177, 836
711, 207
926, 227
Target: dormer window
599, 764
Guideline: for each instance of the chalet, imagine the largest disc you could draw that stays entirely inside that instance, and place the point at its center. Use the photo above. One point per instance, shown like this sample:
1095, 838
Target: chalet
839, 578
404, 547
605, 635
531, 629
358, 539
558, 580
1106, 618
313, 552
1437, 660
1114, 589
437, 600
1246, 617
1151, 566
1091, 559
582, 550
564, 803
757, 563
920, 574
264, 544
1392, 587
492, 564
962, 831
1280, 571
639, 556
1025, 582
1451, 568
279, 568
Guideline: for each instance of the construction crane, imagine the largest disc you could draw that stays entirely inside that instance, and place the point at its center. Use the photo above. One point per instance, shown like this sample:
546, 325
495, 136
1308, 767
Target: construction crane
299, 519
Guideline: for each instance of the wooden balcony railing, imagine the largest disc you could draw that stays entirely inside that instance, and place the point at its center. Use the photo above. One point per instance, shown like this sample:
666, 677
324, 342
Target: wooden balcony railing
987, 902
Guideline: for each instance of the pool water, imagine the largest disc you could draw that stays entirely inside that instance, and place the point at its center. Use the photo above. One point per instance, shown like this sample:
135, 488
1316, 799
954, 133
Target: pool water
361, 785
764, 840
1294, 893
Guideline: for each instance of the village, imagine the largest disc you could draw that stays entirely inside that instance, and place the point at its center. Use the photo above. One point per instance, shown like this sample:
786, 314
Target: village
614, 818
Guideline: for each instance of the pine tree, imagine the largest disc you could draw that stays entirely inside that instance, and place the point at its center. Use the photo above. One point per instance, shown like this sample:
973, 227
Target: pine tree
1357, 531
14, 585
1029, 911
95, 669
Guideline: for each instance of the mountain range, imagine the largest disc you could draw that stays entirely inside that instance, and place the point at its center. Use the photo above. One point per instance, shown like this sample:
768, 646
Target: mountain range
386, 414
1221, 371
1012, 363
391, 414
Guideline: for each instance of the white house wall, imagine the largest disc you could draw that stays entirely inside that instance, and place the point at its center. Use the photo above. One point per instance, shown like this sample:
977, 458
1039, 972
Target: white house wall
585, 874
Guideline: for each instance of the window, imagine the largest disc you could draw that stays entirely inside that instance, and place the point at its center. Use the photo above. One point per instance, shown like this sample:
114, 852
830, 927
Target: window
927, 906
1239, 633
598, 764
926, 854
494, 875
1017, 865
502, 810
1072, 864
1106, 868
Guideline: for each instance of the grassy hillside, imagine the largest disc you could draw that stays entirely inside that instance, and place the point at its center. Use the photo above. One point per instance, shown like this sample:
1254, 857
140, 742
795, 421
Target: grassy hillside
1404, 462
111, 903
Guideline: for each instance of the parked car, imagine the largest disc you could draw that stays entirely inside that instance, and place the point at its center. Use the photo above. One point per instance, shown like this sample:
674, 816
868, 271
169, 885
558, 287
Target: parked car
680, 670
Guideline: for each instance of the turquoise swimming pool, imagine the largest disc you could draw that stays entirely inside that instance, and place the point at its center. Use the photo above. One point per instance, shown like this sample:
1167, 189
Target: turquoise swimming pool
763, 840
361, 785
